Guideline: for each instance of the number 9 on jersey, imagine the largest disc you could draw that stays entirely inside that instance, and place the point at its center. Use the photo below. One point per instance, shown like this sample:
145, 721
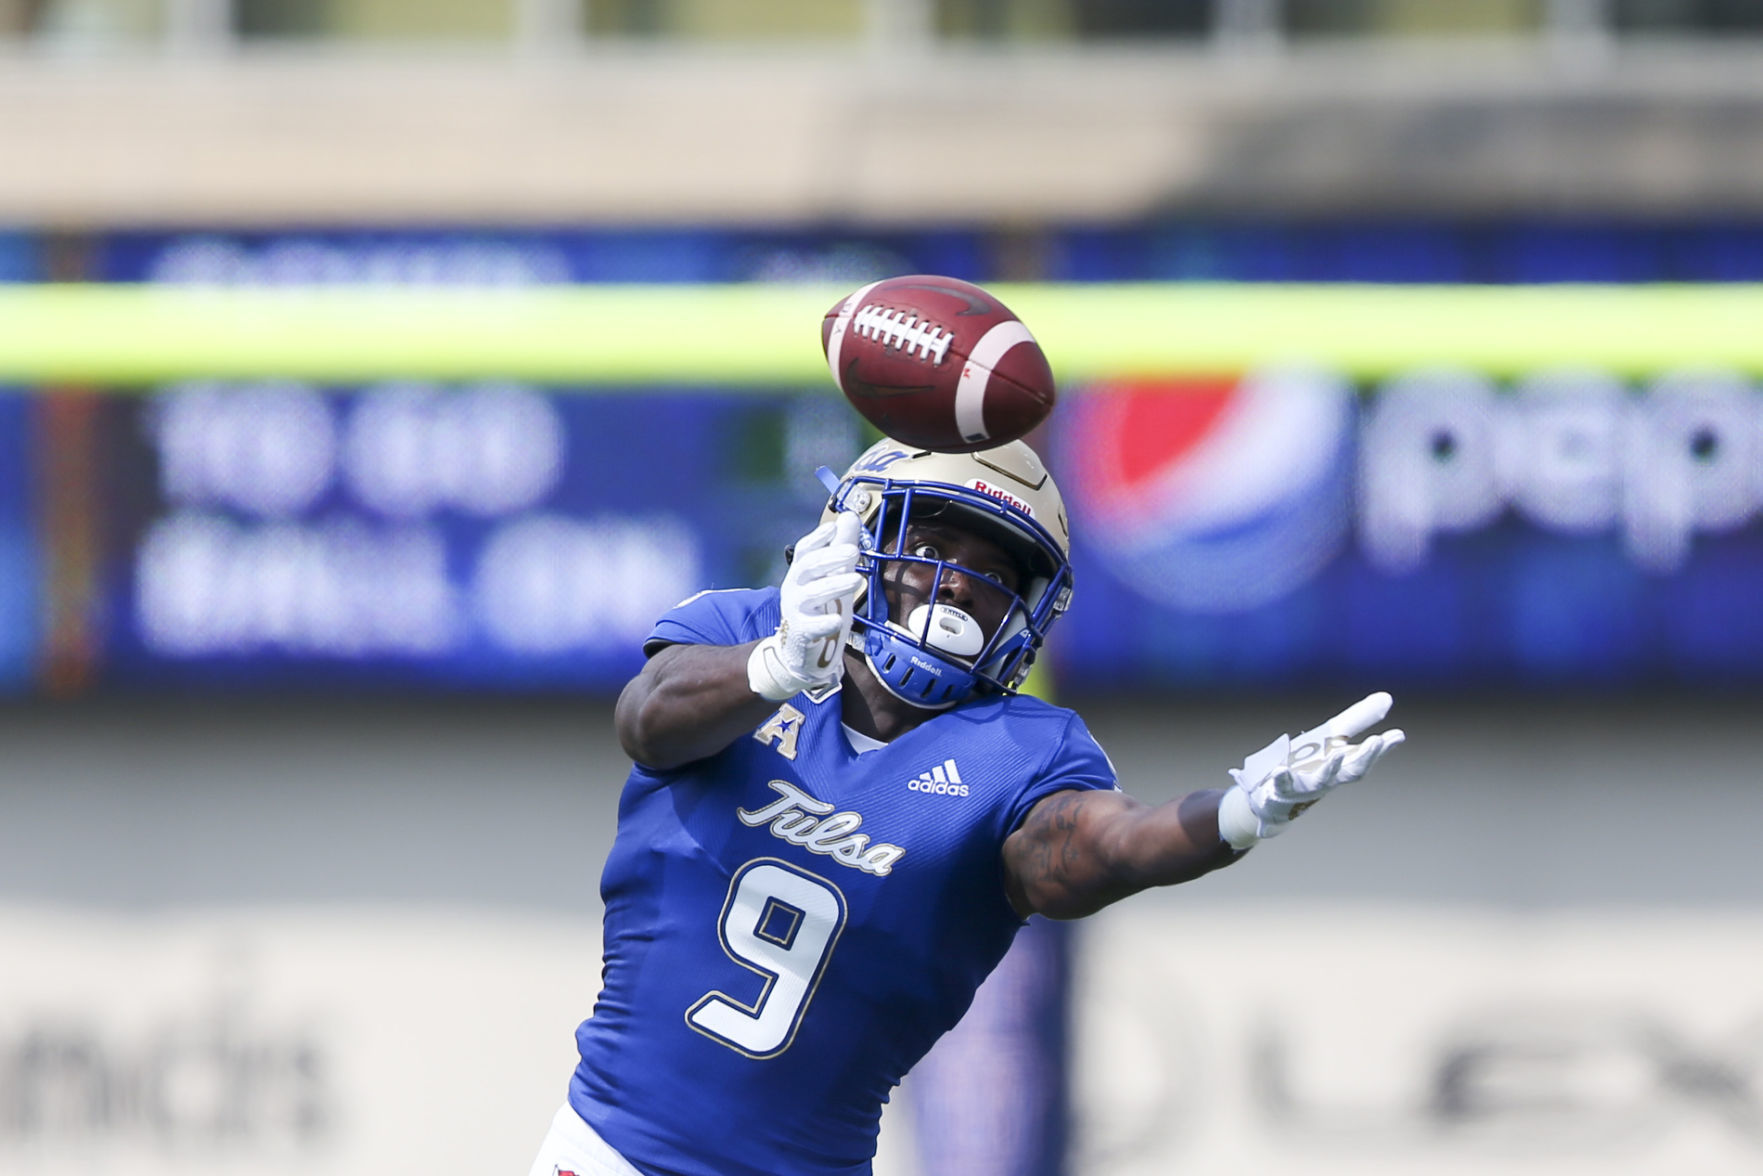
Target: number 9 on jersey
781, 923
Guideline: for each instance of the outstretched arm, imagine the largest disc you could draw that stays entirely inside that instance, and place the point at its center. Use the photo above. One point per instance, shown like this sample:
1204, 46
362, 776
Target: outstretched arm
1076, 852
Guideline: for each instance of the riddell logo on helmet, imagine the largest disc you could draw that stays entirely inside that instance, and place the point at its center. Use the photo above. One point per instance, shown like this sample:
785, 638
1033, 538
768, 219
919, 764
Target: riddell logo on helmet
1004, 496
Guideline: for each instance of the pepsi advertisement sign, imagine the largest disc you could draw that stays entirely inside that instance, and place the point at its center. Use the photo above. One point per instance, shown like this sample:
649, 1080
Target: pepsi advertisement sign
1287, 528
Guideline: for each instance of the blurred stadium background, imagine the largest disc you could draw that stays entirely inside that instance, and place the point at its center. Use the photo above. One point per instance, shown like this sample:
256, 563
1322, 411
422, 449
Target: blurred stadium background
306, 771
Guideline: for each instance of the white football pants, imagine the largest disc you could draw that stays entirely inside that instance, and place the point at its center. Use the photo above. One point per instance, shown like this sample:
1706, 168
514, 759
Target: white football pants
573, 1146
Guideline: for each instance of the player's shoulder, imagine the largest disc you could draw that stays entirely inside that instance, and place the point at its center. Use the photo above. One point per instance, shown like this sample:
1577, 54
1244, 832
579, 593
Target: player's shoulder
1050, 747
1026, 708
1028, 721
729, 601
717, 616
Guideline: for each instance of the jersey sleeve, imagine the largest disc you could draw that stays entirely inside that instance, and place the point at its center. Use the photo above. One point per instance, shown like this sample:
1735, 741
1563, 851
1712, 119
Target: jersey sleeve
729, 616
1076, 763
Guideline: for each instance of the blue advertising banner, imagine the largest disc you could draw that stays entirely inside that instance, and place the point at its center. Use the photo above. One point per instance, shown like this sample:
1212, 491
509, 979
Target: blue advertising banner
1414, 250
1282, 529
529, 257
486, 535
1289, 529
1279, 529
21, 613
19, 258
20, 566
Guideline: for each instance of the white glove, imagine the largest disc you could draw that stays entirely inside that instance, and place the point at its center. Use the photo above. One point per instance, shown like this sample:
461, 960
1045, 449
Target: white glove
1289, 775
808, 649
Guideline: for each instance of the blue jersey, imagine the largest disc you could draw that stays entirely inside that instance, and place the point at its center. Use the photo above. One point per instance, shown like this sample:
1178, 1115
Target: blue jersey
791, 925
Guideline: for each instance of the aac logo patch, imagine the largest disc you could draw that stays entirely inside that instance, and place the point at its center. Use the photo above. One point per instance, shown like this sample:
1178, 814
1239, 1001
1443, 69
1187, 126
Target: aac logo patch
782, 730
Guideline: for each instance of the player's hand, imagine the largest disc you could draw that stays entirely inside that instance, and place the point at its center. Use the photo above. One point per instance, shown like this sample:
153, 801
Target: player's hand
817, 597
1289, 775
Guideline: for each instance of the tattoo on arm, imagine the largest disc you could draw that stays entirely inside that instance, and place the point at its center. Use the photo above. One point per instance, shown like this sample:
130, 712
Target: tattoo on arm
1058, 850
1076, 852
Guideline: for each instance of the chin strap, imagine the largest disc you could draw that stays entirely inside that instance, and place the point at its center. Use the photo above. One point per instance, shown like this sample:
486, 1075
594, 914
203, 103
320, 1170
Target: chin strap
912, 675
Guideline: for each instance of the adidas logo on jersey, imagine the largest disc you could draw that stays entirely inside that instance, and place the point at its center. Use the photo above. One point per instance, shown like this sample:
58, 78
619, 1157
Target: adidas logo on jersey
943, 780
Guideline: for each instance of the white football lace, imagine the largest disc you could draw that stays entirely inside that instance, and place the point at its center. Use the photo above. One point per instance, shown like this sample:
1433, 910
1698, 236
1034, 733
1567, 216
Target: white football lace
902, 329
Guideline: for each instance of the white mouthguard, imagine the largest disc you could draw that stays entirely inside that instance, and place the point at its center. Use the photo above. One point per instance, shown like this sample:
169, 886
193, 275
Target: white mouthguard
951, 630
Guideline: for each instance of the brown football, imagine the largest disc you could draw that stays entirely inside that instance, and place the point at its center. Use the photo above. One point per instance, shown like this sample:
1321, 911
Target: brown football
937, 363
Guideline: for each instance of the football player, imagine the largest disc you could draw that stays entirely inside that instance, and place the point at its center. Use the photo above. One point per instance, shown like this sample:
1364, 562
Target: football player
841, 811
